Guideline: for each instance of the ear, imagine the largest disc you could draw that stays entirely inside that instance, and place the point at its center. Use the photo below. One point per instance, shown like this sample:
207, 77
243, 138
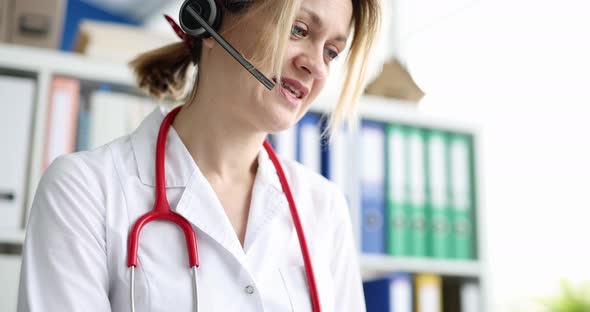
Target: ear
208, 42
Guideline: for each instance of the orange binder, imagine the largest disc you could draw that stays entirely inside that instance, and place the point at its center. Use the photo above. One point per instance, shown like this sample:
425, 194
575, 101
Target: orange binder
62, 119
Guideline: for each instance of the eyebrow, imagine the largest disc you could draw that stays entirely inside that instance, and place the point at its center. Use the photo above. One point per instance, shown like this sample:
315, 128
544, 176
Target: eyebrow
318, 21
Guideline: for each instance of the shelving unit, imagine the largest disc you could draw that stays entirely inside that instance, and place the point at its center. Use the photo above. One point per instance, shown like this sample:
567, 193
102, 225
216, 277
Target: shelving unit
42, 65
374, 266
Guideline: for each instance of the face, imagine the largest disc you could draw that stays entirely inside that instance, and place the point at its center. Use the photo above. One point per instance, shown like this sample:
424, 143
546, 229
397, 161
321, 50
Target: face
318, 35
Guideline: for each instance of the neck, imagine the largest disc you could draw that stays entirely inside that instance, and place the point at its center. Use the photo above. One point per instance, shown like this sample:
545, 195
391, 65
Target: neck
224, 146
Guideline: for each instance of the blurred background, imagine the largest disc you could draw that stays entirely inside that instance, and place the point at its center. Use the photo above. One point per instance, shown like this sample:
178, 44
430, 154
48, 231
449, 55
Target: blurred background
509, 78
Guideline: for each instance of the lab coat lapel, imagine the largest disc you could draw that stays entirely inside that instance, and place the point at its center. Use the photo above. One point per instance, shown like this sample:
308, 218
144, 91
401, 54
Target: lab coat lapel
200, 205
179, 168
268, 202
198, 202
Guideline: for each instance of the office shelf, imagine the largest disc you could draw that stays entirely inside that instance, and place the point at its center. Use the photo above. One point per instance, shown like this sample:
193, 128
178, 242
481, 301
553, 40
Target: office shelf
376, 265
15, 237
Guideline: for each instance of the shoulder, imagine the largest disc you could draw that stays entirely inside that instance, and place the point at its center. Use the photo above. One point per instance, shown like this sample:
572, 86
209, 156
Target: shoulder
85, 171
77, 189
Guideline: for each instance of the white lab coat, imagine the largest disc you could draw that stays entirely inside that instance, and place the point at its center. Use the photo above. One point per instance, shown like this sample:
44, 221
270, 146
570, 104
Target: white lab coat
75, 251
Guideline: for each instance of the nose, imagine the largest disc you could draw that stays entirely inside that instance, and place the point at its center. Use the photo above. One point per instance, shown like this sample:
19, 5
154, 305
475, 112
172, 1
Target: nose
312, 62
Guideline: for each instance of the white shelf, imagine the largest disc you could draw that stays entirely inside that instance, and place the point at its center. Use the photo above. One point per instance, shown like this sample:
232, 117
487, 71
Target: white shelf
37, 60
393, 110
376, 265
16, 237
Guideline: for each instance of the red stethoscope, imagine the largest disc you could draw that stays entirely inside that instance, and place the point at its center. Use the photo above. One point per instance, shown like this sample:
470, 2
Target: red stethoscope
161, 211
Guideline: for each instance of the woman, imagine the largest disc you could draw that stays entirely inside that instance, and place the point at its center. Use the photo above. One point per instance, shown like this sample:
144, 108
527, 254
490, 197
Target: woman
218, 177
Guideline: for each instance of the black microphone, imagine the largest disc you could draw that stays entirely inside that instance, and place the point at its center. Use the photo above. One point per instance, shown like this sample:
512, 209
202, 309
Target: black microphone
249, 67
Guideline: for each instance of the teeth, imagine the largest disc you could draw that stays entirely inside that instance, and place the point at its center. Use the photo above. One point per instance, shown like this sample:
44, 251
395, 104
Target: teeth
293, 90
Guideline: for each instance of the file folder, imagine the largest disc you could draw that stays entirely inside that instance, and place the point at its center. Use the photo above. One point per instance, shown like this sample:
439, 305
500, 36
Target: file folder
470, 297
62, 119
16, 118
115, 114
398, 209
428, 293
285, 143
461, 185
84, 117
373, 187
108, 116
417, 197
438, 204
390, 294
336, 159
309, 142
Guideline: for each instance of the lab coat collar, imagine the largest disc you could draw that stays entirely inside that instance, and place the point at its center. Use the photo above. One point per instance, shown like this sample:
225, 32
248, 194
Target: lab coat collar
179, 165
199, 203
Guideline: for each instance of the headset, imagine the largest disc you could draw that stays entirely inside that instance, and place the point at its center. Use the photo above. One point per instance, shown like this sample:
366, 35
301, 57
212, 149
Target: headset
202, 19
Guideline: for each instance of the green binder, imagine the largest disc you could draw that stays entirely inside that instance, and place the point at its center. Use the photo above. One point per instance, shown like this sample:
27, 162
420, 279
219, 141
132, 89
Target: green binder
461, 156
417, 192
438, 208
397, 213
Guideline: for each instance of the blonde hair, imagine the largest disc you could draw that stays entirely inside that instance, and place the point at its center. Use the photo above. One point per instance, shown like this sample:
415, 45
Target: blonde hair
163, 72
366, 16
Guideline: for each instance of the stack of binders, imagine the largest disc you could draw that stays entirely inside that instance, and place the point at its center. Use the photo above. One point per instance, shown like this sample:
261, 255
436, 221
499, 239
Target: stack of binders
403, 292
416, 184
417, 192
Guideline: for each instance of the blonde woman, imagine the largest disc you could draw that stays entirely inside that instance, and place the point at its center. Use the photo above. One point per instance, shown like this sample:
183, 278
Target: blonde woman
217, 175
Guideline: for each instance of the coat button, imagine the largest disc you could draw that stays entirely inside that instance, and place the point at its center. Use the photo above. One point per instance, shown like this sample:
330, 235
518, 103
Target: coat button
249, 289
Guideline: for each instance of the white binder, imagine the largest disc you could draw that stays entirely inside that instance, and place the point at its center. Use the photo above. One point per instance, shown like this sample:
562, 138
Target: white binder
286, 143
16, 117
115, 114
309, 142
470, 297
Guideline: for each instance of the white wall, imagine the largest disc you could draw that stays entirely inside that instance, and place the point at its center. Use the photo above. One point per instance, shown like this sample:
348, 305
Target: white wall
522, 70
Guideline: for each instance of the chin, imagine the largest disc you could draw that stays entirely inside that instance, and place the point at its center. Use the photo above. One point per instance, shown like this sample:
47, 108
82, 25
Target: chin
279, 119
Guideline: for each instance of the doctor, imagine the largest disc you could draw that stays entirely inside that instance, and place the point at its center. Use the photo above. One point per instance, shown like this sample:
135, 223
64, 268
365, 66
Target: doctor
218, 176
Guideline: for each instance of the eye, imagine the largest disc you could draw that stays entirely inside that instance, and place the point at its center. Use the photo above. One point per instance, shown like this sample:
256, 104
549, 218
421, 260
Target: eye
331, 53
299, 30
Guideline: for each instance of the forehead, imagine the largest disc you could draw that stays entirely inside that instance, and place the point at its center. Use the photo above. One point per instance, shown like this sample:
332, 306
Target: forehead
334, 15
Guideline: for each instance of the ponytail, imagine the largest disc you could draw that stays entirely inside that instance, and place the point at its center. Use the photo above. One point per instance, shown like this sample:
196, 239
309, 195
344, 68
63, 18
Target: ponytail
163, 72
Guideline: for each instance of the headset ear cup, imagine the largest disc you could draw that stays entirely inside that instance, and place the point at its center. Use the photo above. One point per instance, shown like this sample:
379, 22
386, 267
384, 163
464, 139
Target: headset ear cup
209, 10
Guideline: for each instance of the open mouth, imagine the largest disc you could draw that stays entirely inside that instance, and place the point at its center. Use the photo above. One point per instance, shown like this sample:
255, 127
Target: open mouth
291, 88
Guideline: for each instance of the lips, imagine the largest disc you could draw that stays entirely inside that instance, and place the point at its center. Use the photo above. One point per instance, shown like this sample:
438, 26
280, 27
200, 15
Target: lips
293, 86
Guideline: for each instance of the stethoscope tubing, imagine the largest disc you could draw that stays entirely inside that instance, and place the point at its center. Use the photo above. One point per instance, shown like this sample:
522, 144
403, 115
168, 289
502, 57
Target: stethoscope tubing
162, 211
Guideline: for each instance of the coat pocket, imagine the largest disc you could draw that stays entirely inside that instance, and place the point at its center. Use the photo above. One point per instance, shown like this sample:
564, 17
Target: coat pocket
297, 288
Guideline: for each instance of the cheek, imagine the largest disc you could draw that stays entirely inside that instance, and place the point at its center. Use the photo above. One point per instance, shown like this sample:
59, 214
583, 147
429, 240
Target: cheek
318, 86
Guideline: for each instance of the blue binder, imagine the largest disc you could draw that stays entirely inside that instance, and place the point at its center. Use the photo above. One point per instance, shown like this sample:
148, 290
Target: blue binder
326, 152
373, 203
390, 294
